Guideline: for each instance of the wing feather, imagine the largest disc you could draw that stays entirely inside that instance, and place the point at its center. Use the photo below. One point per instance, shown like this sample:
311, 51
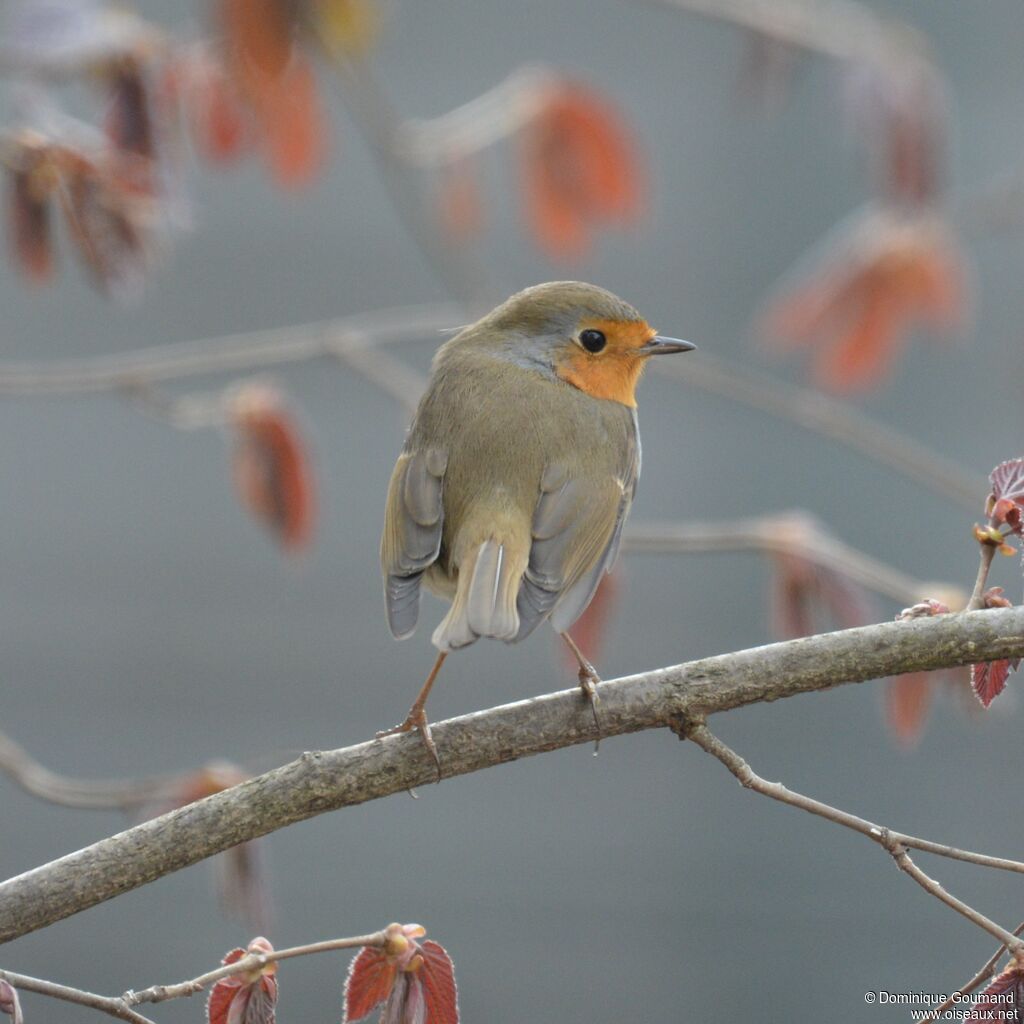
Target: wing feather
413, 523
577, 527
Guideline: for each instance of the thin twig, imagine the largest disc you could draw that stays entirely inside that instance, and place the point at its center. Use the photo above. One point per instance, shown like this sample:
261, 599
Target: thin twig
115, 1007
789, 533
896, 843
988, 552
122, 1007
832, 28
495, 115
982, 975
245, 351
251, 961
322, 781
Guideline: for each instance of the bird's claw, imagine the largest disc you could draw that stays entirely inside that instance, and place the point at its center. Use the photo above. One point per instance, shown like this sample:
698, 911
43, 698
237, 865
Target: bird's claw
417, 721
589, 680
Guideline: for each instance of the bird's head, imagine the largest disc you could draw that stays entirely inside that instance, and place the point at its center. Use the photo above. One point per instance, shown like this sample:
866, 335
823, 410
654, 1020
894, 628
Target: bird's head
585, 335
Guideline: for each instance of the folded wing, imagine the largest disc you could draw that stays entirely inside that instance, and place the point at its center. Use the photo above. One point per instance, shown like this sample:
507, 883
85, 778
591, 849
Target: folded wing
413, 522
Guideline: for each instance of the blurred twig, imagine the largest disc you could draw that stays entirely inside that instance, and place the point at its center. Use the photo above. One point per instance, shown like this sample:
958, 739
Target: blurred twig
831, 418
834, 28
789, 533
244, 351
68, 791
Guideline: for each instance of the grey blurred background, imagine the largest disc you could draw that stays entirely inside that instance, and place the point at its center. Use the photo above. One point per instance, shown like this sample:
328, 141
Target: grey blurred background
149, 626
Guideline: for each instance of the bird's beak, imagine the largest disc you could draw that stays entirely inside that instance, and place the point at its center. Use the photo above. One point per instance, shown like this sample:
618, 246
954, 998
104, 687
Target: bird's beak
659, 346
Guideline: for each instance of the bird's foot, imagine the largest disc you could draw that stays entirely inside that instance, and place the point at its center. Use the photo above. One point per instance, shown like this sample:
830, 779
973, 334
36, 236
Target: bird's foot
589, 680
417, 720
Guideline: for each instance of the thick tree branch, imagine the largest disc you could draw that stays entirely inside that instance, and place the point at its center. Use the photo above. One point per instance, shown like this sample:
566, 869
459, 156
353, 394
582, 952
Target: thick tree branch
324, 781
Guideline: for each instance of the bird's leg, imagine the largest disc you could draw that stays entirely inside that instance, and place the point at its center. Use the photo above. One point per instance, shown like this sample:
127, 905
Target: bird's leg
417, 717
589, 679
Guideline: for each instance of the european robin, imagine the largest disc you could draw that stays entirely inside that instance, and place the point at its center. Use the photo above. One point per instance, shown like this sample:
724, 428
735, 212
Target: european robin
518, 472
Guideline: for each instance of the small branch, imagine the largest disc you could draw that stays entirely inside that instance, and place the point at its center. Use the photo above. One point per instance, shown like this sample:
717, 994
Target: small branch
495, 115
246, 351
896, 843
831, 418
115, 1007
122, 1007
839, 29
98, 794
988, 552
789, 533
251, 961
323, 781
983, 974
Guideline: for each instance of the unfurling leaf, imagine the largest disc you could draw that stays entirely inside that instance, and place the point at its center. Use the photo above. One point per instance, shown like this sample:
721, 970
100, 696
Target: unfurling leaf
884, 275
29, 184
271, 465
414, 981
579, 168
988, 679
923, 609
9, 1002
249, 997
1007, 499
1003, 999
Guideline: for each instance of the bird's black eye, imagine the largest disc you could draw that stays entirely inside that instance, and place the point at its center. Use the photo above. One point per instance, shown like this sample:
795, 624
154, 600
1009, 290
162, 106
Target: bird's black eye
593, 341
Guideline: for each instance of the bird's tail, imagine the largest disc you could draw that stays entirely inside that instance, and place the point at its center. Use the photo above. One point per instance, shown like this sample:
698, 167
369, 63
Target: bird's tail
485, 596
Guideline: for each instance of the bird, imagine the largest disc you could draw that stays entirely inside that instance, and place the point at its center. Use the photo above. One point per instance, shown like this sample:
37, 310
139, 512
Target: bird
517, 474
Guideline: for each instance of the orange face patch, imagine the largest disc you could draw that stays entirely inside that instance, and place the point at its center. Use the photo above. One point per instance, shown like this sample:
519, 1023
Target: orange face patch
613, 372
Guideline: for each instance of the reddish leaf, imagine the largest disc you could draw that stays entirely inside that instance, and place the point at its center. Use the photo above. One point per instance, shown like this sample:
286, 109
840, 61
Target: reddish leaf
258, 34
1008, 480
415, 982
28, 207
900, 108
1003, 1000
438, 974
249, 997
9, 1002
805, 589
106, 226
371, 977
220, 122
579, 167
907, 700
271, 467
887, 273
988, 679
293, 125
